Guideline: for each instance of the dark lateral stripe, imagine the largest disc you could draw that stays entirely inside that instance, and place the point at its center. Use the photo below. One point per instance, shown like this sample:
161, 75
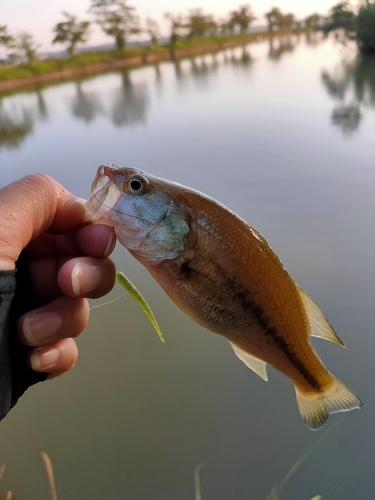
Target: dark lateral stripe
249, 305
239, 293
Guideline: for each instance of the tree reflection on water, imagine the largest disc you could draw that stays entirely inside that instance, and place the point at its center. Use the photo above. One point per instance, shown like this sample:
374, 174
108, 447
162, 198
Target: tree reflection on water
19, 113
128, 103
17, 122
280, 46
14, 130
86, 105
352, 85
199, 69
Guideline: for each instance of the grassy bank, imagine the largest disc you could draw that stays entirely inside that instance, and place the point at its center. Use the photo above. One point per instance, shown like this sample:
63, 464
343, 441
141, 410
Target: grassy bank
80, 60
87, 62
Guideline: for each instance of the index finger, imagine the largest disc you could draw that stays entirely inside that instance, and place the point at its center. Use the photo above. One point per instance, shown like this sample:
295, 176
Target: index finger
95, 240
31, 206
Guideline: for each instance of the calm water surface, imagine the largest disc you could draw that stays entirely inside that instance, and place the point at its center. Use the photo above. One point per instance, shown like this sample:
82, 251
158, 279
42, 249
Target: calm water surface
284, 136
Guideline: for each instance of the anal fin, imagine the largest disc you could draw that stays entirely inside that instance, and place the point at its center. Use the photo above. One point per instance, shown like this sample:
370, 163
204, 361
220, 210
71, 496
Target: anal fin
319, 324
255, 364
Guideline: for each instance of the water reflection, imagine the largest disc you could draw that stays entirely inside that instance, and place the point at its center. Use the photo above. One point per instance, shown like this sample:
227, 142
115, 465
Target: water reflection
280, 46
86, 105
199, 68
126, 105
42, 106
129, 104
19, 114
352, 85
365, 80
347, 117
243, 59
313, 39
17, 120
13, 131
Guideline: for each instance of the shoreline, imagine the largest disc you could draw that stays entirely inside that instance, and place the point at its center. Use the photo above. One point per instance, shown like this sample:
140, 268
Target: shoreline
144, 59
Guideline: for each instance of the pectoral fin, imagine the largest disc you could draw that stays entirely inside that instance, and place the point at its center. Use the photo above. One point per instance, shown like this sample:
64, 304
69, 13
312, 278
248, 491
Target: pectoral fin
255, 364
318, 322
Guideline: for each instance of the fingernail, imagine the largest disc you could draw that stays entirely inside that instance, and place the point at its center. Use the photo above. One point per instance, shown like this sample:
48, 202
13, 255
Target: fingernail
41, 326
85, 278
41, 359
111, 244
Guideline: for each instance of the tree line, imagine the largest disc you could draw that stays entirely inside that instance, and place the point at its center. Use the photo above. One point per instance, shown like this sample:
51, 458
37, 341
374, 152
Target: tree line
120, 21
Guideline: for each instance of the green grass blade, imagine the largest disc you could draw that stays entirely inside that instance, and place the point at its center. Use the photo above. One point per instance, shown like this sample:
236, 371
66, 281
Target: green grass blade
307, 453
128, 285
273, 495
197, 481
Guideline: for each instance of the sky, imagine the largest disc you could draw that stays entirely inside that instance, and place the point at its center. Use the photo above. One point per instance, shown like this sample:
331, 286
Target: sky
39, 16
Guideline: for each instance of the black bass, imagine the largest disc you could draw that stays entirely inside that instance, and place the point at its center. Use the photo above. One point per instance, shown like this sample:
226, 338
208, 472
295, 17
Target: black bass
224, 275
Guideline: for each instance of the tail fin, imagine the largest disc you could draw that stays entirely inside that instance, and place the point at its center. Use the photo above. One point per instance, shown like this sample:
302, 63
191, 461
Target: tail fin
316, 407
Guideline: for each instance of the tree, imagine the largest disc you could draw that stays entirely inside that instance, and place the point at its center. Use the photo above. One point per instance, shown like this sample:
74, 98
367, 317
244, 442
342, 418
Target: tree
287, 21
226, 27
273, 18
152, 29
71, 32
277, 20
366, 27
313, 20
25, 46
6, 39
178, 27
341, 17
117, 19
359, 27
242, 18
200, 24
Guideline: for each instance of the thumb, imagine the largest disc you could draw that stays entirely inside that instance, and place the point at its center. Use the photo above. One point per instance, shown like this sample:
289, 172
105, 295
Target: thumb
29, 207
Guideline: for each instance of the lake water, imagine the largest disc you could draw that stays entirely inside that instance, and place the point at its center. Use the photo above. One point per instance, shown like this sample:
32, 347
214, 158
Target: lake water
283, 134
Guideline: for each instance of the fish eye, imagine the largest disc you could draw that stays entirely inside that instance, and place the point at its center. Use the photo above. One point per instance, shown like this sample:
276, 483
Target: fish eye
136, 185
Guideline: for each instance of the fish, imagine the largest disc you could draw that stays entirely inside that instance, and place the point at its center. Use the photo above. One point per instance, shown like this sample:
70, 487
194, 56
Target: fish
224, 275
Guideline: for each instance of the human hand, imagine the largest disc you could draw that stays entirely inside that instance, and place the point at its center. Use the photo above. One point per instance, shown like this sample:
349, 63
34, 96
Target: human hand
66, 261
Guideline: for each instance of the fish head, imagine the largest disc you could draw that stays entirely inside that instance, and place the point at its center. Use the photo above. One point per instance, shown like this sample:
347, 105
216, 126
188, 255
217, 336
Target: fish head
144, 210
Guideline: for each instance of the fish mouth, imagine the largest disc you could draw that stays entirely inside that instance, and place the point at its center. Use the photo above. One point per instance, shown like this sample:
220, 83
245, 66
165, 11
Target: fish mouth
102, 208
104, 194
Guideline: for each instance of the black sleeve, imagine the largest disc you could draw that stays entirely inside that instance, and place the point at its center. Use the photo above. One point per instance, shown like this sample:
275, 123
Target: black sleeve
15, 374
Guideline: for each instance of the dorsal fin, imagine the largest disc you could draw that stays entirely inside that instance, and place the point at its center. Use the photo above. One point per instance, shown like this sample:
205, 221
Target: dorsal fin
255, 364
318, 322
